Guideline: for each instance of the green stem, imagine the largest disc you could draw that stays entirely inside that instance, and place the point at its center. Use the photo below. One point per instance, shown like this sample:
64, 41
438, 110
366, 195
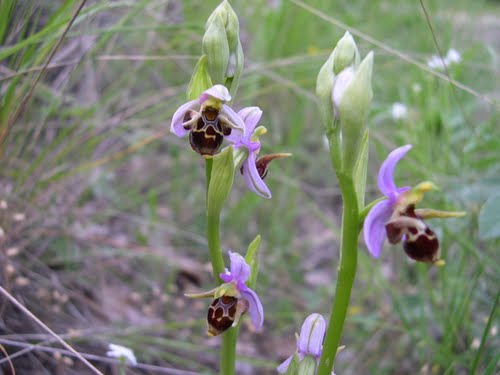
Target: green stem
346, 272
229, 338
228, 355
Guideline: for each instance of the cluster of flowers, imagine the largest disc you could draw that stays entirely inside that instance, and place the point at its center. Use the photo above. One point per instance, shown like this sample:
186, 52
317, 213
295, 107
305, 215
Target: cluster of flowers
208, 121
344, 91
438, 62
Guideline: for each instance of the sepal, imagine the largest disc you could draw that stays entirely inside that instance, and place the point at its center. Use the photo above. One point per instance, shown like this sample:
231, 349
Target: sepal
360, 170
253, 261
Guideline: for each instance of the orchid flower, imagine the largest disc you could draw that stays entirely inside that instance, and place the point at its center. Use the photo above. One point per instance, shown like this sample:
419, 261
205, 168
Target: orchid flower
207, 120
310, 341
397, 219
232, 299
254, 169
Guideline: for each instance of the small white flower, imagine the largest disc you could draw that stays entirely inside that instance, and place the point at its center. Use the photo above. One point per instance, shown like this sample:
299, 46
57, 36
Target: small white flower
452, 57
435, 62
118, 351
399, 111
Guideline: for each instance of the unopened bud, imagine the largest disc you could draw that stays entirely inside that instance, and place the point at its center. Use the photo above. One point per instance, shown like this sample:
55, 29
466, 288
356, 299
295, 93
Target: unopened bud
221, 45
344, 91
345, 54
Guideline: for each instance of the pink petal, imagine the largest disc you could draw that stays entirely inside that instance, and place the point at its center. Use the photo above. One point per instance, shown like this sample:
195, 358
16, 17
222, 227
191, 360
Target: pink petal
251, 117
311, 335
386, 182
284, 366
219, 92
237, 133
240, 270
178, 118
374, 227
253, 179
255, 308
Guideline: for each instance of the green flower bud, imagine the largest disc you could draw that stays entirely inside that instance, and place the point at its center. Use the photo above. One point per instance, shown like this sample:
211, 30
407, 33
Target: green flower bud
216, 47
353, 108
345, 53
344, 94
221, 43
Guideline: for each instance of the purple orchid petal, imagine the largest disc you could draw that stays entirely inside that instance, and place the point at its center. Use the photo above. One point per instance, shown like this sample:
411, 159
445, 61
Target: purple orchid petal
374, 227
386, 182
284, 366
251, 117
226, 277
240, 270
311, 335
219, 92
238, 133
255, 308
253, 179
178, 118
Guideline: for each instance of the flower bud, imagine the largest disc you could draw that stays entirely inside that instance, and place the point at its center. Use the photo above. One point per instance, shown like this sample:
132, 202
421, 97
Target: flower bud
222, 45
353, 105
344, 91
345, 53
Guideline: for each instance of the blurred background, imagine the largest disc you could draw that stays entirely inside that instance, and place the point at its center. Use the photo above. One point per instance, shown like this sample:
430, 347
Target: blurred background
102, 219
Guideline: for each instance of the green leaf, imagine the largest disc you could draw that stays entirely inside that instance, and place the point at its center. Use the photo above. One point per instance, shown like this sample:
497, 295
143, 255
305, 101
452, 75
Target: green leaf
253, 261
360, 169
221, 181
200, 80
489, 219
